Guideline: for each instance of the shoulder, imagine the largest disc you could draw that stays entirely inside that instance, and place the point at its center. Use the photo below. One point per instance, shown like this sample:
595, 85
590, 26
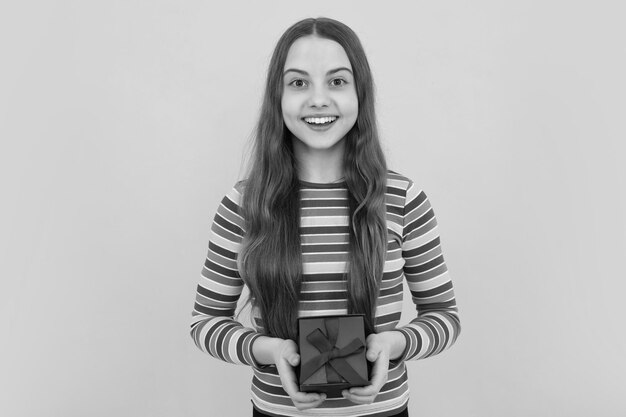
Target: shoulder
229, 214
402, 191
399, 184
232, 201
235, 194
239, 188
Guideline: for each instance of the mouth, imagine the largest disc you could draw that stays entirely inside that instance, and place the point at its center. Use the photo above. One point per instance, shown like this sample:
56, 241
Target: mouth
320, 123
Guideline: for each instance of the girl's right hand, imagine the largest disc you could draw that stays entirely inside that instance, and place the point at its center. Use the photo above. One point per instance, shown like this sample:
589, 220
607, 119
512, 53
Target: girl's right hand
285, 358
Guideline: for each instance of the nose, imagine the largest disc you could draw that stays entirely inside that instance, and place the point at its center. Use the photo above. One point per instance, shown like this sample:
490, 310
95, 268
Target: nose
319, 97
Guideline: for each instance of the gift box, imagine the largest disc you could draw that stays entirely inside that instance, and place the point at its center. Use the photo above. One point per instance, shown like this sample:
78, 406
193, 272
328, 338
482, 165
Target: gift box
332, 353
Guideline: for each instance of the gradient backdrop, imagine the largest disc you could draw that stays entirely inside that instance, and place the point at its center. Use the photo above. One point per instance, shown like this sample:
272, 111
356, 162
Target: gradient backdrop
123, 123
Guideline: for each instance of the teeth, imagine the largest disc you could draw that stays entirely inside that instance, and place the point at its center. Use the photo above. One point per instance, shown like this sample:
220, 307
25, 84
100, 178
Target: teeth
320, 120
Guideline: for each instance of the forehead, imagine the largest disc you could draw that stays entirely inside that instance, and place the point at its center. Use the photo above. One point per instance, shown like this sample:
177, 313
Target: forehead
312, 52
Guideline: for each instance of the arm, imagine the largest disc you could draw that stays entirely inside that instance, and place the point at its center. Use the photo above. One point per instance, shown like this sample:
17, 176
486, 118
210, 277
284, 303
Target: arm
437, 324
213, 328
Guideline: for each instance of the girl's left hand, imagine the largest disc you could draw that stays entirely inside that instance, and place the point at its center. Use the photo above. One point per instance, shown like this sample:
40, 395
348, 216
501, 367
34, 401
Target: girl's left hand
379, 349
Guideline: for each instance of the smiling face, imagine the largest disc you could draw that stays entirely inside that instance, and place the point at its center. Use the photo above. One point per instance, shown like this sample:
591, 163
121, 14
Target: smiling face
319, 101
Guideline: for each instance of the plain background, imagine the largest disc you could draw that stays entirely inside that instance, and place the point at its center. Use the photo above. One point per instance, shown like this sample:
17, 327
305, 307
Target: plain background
123, 123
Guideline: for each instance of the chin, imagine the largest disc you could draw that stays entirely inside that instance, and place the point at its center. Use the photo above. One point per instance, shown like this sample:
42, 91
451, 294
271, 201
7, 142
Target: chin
318, 144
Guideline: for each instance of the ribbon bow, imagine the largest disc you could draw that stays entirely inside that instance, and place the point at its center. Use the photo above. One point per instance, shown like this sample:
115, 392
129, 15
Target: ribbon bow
332, 356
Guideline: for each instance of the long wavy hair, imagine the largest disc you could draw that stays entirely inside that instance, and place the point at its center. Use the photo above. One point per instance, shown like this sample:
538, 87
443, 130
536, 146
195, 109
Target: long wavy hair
271, 259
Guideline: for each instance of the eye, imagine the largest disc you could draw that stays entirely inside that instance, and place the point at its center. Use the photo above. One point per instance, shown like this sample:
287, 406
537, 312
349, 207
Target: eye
338, 82
298, 83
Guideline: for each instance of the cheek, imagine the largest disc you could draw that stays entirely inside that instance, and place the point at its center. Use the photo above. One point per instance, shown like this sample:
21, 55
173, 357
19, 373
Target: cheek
350, 104
351, 111
289, 106
290, 115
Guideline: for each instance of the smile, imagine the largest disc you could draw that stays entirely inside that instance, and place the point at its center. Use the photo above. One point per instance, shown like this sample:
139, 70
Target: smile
322, 121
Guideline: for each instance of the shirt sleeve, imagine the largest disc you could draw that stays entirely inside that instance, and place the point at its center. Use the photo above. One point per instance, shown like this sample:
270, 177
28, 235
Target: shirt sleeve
213, 327
437, 324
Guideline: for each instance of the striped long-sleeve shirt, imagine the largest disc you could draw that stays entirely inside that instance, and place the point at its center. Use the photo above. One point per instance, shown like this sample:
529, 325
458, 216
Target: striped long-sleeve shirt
414, 257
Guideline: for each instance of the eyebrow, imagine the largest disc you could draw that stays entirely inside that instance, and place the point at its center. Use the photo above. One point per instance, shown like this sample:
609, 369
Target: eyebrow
332, 71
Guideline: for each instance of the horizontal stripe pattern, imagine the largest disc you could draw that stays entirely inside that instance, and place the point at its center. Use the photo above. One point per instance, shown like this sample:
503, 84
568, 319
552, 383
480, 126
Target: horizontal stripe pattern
437, 325
414, 257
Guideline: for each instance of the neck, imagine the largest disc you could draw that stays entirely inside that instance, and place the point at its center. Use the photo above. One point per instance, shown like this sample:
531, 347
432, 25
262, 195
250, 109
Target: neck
320, 165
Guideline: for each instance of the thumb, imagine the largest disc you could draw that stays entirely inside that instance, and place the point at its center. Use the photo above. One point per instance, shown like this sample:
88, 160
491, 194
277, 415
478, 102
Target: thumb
372, 353
294, 359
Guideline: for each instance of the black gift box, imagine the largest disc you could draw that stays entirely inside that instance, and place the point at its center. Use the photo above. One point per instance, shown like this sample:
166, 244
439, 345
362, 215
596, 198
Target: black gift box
332, 353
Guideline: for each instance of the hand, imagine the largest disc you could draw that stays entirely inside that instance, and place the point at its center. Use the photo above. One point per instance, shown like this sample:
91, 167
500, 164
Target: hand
379, 348
285, 358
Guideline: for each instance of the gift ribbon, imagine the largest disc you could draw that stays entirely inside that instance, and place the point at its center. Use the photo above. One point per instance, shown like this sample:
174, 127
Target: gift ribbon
332, 356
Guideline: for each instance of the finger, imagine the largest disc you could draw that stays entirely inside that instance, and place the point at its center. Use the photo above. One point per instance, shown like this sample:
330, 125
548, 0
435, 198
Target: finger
373, 353
379, 374
289, 382
308, 398
288, 379
364, 391
307, 405
290, 352
294, 359
358, 399
379, 377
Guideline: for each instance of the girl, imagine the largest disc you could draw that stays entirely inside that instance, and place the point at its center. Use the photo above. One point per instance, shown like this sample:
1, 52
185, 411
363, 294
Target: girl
322, 227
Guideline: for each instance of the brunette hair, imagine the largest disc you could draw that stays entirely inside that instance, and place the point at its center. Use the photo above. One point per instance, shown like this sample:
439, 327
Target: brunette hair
271, 260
